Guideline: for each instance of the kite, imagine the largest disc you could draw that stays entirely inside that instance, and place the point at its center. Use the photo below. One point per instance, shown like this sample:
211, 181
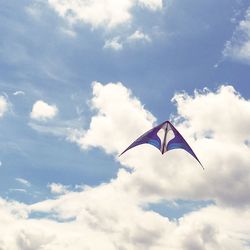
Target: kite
171, 139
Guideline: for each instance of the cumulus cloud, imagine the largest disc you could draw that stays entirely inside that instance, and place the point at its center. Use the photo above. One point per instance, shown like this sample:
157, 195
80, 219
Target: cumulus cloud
210, 117
238, 48
108, 13
224, 136
42, 111
4, 105
114, 212
112, 101
217, 136
210, 130
118, 223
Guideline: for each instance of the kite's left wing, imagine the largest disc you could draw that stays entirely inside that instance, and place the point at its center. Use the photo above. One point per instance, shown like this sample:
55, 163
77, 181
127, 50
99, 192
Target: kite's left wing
149, 137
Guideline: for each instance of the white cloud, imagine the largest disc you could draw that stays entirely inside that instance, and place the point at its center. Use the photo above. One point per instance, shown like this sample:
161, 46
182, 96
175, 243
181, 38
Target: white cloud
23, 181
43, 111
57, 188
216, 135
210, 130
120, 117
106, 13
118, 222
4, 106
151, 4
211, 117
114, 44
139, 36
238, 48
117, 43
211, 228
224, 135
113, 212
19, 92
52, 129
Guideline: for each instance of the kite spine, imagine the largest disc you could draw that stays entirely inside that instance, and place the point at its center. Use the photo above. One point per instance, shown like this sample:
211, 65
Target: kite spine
165, 139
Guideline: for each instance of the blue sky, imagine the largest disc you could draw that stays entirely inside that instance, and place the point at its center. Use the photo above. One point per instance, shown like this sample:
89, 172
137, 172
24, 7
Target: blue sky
80, 81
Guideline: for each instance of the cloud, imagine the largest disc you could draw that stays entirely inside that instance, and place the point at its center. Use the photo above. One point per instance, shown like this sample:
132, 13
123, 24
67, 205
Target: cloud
112, 101
117, 222
216, 135
23, 181
238, 48
42, 111
107, 14
139, 36
68, 129
151, 4
117, 43
211, 116
57, 188
4, 105
114, 44
19, 92
210, 226
222, 134
21, 190
114, 213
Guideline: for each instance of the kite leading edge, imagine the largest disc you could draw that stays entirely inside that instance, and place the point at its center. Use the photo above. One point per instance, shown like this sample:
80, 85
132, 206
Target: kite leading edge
172, 139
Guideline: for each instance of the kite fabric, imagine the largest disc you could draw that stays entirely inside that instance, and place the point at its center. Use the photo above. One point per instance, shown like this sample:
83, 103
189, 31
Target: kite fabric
171, 139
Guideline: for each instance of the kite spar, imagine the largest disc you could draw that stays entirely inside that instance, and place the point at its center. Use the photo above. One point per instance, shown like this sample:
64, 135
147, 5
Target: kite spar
172, 139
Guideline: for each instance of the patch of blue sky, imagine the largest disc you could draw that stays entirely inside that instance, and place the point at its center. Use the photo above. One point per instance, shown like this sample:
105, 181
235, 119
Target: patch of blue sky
46, 162
177, 209
51, 216
44, 158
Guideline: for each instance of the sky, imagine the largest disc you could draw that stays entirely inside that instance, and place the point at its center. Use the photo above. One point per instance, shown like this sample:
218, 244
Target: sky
80, 80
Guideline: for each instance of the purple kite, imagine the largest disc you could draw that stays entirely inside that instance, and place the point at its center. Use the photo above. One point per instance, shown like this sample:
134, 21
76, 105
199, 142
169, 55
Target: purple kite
171, 139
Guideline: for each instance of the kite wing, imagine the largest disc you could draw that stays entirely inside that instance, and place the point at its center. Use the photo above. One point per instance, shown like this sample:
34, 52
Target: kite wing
164, 144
